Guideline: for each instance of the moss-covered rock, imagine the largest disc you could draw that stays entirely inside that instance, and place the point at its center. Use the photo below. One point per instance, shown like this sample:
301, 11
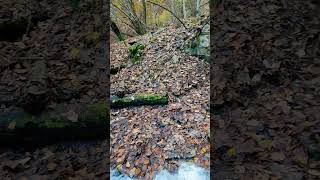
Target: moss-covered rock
200, 46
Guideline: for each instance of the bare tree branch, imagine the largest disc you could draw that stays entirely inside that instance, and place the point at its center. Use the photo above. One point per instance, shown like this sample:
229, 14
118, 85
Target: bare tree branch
170, 12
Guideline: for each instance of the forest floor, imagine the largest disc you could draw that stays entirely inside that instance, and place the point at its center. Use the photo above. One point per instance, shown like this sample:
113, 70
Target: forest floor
264, 93
69, 41
147, 139
265, 90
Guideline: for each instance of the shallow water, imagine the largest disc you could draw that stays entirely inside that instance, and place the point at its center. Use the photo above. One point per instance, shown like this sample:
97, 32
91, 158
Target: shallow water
187, 171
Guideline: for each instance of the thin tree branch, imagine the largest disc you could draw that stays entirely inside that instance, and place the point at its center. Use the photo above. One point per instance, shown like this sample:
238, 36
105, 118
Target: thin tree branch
170, 12
129, 25
122, 11
204, 4
139, 26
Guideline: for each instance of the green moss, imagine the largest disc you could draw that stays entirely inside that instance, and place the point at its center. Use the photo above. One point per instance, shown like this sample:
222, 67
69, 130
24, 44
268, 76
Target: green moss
149, 97
141, 99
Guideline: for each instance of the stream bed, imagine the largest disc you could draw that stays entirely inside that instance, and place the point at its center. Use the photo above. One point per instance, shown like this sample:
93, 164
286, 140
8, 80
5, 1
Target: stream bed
186, 171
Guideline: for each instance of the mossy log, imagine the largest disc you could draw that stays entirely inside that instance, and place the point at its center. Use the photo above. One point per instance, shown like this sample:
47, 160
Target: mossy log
140, 99
84, 122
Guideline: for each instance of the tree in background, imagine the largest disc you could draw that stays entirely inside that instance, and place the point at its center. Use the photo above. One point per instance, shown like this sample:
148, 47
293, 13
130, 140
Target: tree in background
137, 17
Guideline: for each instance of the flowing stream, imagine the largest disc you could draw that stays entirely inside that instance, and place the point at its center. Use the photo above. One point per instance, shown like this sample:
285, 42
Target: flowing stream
187, 171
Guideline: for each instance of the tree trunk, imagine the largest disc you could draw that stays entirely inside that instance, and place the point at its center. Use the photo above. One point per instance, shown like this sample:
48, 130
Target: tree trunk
140, 27
116, 30
144, 12
173, 9
138, 100
198, 8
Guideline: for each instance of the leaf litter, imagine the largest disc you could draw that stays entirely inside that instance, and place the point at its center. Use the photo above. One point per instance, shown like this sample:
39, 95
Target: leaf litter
66, 40
148, 139
265, 95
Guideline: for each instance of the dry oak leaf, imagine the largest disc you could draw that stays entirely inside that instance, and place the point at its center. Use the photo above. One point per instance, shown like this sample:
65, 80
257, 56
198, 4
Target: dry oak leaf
277, 156
301, 159
314, 172
146, 161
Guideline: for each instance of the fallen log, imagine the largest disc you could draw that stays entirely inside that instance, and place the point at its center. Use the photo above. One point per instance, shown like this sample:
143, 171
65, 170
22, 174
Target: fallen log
63, 123
138, 100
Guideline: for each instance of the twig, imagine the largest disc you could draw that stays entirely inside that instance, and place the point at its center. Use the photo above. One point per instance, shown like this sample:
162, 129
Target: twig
204, 4
170, 12
29, 24
122, 11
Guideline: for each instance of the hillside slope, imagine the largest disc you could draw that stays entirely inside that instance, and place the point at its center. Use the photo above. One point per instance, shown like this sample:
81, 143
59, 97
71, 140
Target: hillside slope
147, 139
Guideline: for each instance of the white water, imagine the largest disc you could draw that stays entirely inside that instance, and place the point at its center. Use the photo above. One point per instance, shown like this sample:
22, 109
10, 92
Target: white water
186, 171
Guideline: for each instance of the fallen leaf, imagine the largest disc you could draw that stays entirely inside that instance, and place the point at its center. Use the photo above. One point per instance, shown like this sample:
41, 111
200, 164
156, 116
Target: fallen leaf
12, 125
301, 159
232, 152
314, 172
137, 171
51, 166
204, 150
146, 161
277, 156
266, 144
